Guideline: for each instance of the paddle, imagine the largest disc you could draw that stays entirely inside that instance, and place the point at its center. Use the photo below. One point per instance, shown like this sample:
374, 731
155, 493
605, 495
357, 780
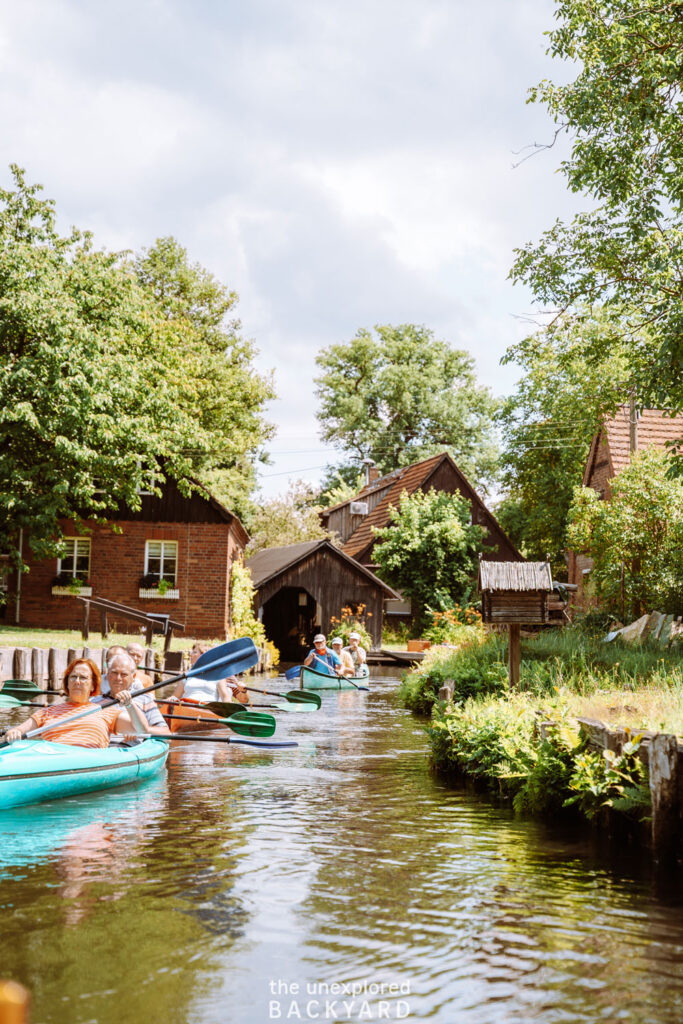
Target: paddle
244, 723
226, 659
292, 696
24, 687
227, 739
227, 708
293, 673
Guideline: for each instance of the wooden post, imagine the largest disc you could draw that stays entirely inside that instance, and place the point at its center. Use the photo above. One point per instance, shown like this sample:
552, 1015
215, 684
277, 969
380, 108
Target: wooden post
85, 628
6, 663
514, 654
664, 794
39, 667
57, 662
22, 663
14, 1000
73, 652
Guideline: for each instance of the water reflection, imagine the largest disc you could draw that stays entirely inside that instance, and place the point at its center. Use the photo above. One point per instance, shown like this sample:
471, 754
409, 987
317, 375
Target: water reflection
341, 862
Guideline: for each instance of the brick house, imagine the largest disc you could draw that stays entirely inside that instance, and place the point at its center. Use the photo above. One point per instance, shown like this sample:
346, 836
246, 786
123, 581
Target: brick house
353, 521
191, 542
611, 450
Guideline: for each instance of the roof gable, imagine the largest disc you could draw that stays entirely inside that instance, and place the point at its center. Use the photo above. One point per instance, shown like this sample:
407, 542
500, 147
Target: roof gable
410, 479
265, 565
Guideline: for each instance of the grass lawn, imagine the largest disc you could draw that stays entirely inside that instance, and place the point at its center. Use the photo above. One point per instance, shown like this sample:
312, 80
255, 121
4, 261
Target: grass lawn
19, 636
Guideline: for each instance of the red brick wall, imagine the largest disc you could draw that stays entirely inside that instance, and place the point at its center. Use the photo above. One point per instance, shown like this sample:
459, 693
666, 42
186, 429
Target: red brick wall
117, 561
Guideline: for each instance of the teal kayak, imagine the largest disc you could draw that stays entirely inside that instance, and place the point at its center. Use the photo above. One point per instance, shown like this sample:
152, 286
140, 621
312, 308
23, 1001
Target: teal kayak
312, 680
32, 771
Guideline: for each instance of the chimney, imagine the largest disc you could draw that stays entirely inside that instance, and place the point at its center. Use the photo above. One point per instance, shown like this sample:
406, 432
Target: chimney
371, 471
632, 426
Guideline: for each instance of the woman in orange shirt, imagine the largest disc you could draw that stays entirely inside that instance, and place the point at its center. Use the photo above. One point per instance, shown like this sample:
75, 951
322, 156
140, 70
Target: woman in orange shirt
82, 681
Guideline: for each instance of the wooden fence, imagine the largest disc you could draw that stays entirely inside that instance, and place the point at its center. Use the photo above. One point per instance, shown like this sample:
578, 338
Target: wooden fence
46, 667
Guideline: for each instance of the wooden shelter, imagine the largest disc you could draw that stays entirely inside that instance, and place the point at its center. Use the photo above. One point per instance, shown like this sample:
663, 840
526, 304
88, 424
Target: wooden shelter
515, 594
301, 587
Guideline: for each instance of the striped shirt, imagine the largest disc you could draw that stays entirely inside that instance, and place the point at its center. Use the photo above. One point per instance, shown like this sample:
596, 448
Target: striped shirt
93, 731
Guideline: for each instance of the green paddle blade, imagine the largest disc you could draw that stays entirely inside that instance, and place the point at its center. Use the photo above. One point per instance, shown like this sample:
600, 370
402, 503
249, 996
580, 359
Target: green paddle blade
10, 702
303, 696
251, 723
246, 723
299, 707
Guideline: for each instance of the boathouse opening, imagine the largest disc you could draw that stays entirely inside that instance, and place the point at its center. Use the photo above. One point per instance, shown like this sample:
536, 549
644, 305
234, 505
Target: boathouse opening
290, 621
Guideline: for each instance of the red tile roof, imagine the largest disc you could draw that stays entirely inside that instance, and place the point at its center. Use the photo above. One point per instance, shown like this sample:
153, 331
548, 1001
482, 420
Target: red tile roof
655, 428
408, 478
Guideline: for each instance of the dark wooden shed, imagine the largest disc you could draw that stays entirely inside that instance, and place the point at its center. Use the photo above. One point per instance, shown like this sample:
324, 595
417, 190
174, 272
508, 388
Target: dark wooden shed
515, 594
301, 587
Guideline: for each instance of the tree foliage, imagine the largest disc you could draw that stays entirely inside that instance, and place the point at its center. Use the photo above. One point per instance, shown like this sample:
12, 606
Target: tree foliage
99, 383
287, 519
429, 549
564, 394
636, 538
224, 392
623, 113
400, 395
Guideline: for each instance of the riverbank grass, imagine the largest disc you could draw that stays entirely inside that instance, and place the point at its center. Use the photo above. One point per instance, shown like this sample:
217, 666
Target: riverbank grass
526, 746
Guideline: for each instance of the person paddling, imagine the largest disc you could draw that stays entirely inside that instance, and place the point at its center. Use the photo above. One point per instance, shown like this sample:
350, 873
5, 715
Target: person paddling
322, 659
347, 666
82, 681
122, 676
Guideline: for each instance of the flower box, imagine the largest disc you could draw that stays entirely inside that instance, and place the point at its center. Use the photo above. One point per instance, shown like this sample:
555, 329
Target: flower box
68, 592
151, 593
419, 645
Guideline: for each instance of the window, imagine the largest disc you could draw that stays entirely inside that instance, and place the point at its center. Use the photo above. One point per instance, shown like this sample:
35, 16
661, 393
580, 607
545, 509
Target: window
161, 559
76, 559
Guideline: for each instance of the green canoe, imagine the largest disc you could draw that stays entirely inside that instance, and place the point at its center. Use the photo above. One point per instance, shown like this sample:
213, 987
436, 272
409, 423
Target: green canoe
312, 680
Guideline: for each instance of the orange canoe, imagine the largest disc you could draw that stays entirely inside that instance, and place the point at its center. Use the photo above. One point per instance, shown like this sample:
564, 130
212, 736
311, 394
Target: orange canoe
202, 719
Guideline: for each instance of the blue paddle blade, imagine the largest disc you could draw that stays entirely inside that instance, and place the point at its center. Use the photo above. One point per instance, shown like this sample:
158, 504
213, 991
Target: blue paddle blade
228, 659
294, 672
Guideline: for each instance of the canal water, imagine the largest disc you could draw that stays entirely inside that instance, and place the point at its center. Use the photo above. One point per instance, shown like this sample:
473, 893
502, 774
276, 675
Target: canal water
338, 881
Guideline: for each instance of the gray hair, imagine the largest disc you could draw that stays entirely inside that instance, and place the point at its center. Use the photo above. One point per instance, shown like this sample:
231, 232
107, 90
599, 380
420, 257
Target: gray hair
126, 659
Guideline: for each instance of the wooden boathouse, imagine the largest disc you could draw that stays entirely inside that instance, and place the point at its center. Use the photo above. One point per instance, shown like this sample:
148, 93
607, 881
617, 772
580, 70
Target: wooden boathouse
301, 587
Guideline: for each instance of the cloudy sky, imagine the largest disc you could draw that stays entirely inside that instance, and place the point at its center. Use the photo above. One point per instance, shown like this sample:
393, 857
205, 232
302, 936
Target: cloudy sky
340, 163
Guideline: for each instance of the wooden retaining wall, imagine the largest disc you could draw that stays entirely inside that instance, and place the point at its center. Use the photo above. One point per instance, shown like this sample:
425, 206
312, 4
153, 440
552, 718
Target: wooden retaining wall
46, 667
662, 754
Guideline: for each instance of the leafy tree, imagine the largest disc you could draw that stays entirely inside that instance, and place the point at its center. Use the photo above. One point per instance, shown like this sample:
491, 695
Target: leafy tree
224, 392
339, 484
548, 424
98, 385
636, 538
400, 395
622, 113
429, 549
287, 519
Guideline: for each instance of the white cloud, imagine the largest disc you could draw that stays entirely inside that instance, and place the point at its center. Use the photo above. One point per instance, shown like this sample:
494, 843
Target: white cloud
339, 164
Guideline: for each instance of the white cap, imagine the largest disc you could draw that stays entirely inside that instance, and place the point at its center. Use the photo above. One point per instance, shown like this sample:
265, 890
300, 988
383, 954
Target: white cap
337, 640
354, 636
319, 638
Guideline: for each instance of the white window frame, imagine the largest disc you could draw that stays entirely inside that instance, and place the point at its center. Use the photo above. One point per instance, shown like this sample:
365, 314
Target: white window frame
164, 544
82, 542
